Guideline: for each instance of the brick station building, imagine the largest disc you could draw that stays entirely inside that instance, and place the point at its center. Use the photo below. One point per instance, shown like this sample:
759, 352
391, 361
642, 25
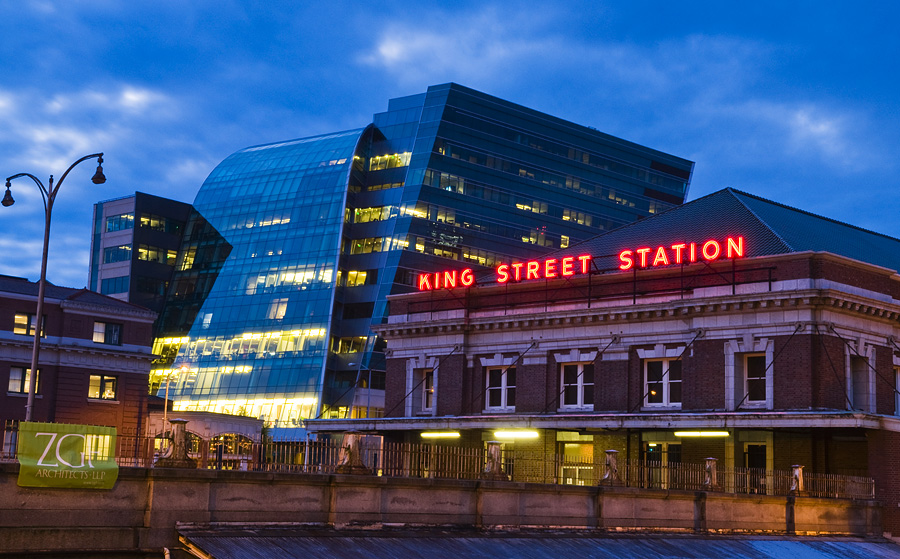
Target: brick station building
94, 361
730, 327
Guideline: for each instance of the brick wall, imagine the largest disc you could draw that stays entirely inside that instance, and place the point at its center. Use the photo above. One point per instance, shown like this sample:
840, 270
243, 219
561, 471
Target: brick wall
451, 377
792, 371
611, 385
703, 376
394, 387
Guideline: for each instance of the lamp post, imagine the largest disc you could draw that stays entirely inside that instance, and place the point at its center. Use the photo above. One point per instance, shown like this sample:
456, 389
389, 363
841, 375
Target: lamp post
48, 193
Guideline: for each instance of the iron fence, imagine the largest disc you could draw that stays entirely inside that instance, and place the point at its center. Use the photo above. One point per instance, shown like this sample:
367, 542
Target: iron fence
427, 460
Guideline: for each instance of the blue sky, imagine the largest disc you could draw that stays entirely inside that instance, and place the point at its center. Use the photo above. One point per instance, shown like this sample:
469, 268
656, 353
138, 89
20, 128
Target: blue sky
796, 102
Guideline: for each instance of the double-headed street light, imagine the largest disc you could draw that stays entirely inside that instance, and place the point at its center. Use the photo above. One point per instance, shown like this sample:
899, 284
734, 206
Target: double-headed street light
49, 195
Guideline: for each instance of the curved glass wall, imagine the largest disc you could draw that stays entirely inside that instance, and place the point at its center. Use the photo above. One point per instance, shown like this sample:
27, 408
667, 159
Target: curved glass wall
255, 281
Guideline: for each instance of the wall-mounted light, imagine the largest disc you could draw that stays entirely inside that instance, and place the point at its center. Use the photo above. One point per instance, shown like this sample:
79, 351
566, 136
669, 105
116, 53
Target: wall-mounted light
518, 434
440, 434
701, 433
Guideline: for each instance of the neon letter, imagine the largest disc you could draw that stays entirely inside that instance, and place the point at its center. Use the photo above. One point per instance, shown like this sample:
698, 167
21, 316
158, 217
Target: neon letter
627, 261
714, 255
567, 264
678, 248
693, 252
550, 268
643, 252
424, 282
533, 270
661, 257
735, 249
467, 278
503, 273
585, 260
517, 266
450, 279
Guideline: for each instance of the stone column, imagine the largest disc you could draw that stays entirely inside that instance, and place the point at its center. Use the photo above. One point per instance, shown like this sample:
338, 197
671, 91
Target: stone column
493, 469
349, 459
611, 476
177, 455
797, 480
710, 480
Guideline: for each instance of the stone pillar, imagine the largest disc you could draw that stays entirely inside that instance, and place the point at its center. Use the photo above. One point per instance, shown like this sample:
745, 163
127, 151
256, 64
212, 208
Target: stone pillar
177, 455
710, 480
797, 480
493, 469
349, 459
611, 476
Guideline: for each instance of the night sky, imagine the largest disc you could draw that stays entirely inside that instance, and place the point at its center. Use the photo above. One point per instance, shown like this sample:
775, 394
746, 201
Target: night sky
795, 102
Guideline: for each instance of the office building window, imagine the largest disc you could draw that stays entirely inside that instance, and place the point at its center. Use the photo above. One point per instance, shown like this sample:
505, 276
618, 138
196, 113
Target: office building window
103, 387
501, 388
577, 385
19, 377
121, 253
108, 333
119, 222
662, 382
157, 254
23, 323
109, 286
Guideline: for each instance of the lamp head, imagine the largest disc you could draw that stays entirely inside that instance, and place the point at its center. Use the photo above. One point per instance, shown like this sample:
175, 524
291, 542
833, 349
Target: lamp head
99, 177
7, 198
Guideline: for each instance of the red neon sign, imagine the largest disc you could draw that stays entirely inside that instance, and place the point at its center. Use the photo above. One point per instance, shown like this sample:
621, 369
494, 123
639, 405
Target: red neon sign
546, 269
680, 253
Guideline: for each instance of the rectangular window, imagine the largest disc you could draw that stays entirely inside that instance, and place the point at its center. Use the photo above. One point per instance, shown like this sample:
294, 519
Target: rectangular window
755, 378
155, 254
109, 286
108, 333
121, 253
662, 382
577, 385
19, 377
501, 388
428, 390
119, 222
23, 323
103, 387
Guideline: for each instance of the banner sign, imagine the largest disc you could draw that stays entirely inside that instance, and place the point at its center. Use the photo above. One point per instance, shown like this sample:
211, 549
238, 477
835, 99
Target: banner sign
71, 456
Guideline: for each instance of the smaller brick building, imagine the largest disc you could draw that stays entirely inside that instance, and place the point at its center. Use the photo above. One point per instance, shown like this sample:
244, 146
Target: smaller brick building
94, 360
731, 327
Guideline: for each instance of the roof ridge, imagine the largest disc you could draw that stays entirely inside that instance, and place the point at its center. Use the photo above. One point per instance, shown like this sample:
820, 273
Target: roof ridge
734, 192
805, 212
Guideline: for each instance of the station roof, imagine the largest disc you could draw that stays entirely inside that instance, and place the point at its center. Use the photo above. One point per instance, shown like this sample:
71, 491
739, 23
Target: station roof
306, 543
768, 228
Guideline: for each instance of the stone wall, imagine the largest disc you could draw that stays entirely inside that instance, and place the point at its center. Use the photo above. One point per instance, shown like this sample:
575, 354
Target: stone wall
140, 513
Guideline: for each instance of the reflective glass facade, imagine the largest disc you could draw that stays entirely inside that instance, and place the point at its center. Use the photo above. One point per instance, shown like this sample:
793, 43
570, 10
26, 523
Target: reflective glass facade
294, 247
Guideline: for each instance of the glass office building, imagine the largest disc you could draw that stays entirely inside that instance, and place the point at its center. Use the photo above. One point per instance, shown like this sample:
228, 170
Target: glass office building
292, 248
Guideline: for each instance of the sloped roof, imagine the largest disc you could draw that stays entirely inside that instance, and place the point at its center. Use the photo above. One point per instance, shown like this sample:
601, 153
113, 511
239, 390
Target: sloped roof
22, 286
768, 228
301, 544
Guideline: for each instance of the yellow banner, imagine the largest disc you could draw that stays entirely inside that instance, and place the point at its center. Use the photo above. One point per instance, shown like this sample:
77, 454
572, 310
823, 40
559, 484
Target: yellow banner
63, 455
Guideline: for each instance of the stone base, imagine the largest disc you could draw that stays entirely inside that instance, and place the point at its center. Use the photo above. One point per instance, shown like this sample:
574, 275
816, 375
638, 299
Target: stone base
355, 470
188, 463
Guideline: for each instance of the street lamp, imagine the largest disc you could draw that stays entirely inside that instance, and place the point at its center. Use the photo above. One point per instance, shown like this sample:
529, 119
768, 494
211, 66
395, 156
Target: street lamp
49, 195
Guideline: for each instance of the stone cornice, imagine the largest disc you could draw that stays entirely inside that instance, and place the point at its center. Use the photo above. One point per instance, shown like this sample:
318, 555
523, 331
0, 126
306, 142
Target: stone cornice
133, 312
542, 318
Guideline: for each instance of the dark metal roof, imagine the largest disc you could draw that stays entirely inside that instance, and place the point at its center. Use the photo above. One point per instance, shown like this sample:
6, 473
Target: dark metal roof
315, 544
22, 286
769, 228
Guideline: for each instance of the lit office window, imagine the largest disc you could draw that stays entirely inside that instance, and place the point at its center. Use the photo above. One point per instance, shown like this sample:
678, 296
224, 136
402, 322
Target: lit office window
103, 387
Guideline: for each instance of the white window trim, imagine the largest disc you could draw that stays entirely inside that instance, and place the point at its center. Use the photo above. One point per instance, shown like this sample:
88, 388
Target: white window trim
414, 366
576, 357
579, 383
504, 388
666, 384
737, 349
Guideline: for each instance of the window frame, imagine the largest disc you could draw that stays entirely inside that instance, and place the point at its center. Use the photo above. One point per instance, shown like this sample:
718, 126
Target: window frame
30, 319
106, 332
101, 388
665, 381
583, 390
747, 402
506, 391
428, 390
24, 379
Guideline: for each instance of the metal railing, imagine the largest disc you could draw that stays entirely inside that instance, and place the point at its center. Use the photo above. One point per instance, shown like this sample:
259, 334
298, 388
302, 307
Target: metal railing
424, 460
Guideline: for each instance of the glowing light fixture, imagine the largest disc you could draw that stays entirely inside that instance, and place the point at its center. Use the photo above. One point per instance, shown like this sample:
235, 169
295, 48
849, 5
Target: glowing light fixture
701, 433
440, 434
516, 434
